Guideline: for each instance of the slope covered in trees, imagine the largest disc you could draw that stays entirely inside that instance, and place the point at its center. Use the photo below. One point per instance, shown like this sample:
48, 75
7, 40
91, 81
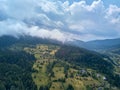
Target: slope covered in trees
15, 70
93, 60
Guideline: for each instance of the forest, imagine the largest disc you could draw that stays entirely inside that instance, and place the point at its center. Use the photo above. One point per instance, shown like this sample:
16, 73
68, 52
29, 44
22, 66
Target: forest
15, 70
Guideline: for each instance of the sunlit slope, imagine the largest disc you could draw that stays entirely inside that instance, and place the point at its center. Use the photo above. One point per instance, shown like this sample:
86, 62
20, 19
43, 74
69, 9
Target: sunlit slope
51, 72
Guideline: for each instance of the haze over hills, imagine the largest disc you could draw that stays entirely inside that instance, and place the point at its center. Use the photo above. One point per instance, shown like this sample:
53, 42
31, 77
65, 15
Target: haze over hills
92, 45
98, 44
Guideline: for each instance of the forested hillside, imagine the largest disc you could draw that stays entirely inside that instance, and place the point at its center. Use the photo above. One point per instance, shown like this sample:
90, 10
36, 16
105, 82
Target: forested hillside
47, 65
16, 70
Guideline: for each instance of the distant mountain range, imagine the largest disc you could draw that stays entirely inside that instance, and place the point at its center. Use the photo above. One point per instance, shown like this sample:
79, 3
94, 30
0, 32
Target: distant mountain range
98, 44
91, 45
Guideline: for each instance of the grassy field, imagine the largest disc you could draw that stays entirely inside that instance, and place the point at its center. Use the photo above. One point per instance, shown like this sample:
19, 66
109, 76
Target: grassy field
40, 77
59, 74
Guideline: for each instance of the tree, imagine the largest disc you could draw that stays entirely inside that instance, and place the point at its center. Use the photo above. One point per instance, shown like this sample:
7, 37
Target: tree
70, 87
2, 87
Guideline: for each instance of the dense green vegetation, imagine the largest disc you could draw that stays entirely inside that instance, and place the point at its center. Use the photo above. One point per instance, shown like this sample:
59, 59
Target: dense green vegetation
114, 57
85, 58
16, 70
7, 41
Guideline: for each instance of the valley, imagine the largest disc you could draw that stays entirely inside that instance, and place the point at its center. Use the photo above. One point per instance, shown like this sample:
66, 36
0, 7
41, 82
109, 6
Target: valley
114, 56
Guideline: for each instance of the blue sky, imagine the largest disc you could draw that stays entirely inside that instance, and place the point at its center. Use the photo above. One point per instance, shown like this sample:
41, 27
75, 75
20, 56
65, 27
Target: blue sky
61, 20
106, 2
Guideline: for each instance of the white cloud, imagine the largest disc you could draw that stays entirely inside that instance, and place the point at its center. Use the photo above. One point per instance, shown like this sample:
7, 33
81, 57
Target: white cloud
50, 7
12, 27
59, 20
90, 20
16, 28
44, 33
113, 14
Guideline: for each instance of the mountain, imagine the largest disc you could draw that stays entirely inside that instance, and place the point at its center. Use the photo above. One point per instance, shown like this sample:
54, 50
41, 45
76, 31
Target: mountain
97, 44
91, 45
78, 43
104, 44
32, 63
6, 40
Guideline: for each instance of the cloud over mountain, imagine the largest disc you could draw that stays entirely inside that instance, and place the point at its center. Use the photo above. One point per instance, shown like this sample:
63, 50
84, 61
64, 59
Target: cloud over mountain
60, 20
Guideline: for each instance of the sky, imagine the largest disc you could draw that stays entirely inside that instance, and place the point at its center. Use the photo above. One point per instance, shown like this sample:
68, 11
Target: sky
63, 20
